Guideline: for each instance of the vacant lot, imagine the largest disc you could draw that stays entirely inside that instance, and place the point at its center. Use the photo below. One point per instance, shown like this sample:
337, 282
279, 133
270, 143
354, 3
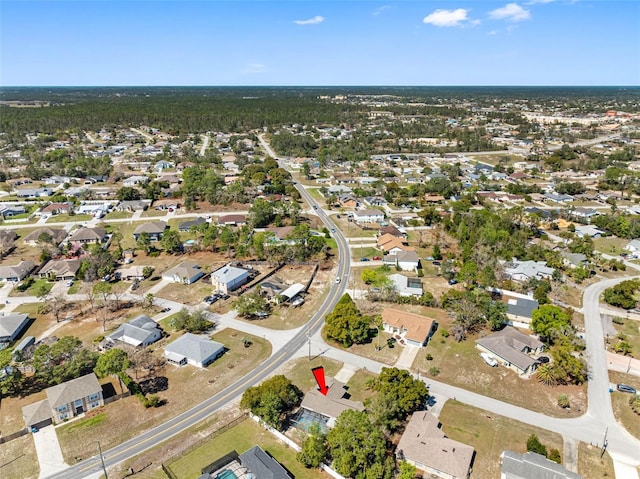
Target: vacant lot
65, 218
591, 465
461, 365
620, 402
358, 386
630, 332
610, 245
186, 387
18, 459
490, 434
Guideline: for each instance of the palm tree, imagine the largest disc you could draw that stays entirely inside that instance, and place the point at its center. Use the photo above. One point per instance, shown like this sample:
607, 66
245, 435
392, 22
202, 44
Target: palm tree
547, 375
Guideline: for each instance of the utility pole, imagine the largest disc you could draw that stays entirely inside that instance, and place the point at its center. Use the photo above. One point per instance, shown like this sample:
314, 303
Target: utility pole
102, 461
604, 442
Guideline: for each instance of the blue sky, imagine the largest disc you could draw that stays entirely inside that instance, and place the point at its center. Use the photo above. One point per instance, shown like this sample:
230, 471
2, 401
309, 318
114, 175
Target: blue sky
350, 42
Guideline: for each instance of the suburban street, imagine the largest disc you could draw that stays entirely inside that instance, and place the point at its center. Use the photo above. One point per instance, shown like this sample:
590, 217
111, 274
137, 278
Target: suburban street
596, 426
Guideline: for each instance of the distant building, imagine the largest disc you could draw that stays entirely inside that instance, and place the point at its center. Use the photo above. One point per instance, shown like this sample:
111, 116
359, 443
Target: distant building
526, 270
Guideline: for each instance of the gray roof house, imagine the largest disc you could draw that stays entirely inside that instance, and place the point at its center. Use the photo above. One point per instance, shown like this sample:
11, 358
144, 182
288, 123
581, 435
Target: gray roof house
331, 405
406, 286
11, 326
57, 235
192, 349
65, 401
229, 278
525, 270
405, 260
154, 229
532, 466
424, 445
17, 272
140, 331
520, 310
85, 235
262, 465
633, 246
512, 348
186, 226
186, 272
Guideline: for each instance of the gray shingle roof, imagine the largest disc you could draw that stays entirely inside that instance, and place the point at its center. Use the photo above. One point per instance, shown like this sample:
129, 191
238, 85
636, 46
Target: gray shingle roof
533, 466
12, 324
136, 331
262, 465
194, 347
509, 344
68, 392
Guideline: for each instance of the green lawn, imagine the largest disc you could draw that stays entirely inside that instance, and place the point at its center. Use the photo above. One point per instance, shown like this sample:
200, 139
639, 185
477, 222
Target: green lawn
64, 218
241, 438
610, 245
591, 465
299, 372
118, 215
357, 385
364, 252
631, 330
31, 291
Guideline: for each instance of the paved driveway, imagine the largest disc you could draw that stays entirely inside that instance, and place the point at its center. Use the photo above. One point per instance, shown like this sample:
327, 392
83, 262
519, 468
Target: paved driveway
48, 451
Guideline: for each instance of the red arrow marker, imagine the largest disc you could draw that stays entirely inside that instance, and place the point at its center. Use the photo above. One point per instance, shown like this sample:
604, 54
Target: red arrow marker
318, 373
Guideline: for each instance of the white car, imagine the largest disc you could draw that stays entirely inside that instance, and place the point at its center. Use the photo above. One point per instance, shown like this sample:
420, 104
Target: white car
337, 280
490, 360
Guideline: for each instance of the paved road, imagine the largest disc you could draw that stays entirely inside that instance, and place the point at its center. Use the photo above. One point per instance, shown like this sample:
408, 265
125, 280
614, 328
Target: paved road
203, 410
205, 144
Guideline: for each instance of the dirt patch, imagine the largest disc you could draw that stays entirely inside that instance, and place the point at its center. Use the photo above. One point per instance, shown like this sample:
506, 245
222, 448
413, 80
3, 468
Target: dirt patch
18, 459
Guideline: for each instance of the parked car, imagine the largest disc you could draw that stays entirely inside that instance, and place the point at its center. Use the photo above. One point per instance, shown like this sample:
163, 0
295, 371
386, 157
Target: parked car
364, 259
165, 310
315, 207
543, 359
490, 360
436, 263
453, 281
69, 283
625, 388
376, 258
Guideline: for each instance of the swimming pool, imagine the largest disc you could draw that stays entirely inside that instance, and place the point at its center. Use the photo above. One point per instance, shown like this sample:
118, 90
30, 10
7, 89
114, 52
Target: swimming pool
226, 474
304, 418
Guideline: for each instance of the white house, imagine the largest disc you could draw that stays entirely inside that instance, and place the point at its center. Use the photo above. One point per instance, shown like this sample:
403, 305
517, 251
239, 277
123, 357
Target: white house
140, 331
368, 216
405, 260
525, 270
193, 349
229, 278
406, 286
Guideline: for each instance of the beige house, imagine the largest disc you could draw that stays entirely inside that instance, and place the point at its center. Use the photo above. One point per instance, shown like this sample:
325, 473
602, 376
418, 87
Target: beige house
408, 328
513, 349
65, 401
424, 445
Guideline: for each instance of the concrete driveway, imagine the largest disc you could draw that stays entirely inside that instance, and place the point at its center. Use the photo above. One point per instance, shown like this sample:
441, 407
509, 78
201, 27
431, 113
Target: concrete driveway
48, 451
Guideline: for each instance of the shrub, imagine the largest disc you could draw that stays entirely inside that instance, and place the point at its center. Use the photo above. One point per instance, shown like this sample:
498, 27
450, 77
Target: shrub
534, 445
429, 357
445, 333
563, 401
434, 371
554, 455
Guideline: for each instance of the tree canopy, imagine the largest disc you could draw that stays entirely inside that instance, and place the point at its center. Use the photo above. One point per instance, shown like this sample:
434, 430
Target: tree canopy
345, 324
272, 399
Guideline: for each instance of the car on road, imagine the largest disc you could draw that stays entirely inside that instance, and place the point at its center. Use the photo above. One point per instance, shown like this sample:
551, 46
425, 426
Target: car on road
337, 280
376, 258
333, 230
364, 259
315, 207
490, 360
165, 310
625, 388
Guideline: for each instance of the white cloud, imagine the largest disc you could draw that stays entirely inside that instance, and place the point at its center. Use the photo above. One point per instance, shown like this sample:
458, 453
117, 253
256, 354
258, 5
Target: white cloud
311, 21
492, 32
533, 2
254, 68
447, 18
512, 12
381, 9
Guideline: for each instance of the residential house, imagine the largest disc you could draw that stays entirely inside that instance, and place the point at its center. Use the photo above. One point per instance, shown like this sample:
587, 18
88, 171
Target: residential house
7, 238
368, 216
154, 230
254, 463
588, 230
135, 180
408, 328
84, 235
11, 326
229, 278
393, 244
185, 226
133, 205
347, 200
9, 211
232, 220
338, 189
53, 235
633, 246
162, 165
392, 230
558, 198
57, 180
65, 401
95, 208
584, 214
525, 270
520, 310
280, 233
16, 273
406, 286
375, 201
186, 272
531, 465
60, 269
513, 349
140, 331
574, 260
34, 192
193, 349
329, 407
405, 260
55, 209
167, 204
424, 445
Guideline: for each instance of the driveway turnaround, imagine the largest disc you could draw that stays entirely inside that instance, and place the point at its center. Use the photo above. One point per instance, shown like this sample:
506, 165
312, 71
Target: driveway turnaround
48, 451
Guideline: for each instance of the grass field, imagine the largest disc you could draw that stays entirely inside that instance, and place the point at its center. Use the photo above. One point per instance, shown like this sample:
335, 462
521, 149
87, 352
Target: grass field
610, 245
631, 331
65, 218
299, 370
31, 291
490, 434
118, 215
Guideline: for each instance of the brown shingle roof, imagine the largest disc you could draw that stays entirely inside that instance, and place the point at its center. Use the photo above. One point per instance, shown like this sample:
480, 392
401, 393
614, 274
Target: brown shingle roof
418, 327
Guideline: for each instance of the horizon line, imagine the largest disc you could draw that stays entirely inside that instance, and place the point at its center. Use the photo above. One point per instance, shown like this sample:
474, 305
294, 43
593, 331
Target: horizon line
329, 86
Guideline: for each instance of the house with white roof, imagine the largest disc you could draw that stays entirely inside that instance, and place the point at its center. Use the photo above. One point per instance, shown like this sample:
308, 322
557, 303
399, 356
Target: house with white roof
368, 216
406, 286
525, 270
229, 278
193, 349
